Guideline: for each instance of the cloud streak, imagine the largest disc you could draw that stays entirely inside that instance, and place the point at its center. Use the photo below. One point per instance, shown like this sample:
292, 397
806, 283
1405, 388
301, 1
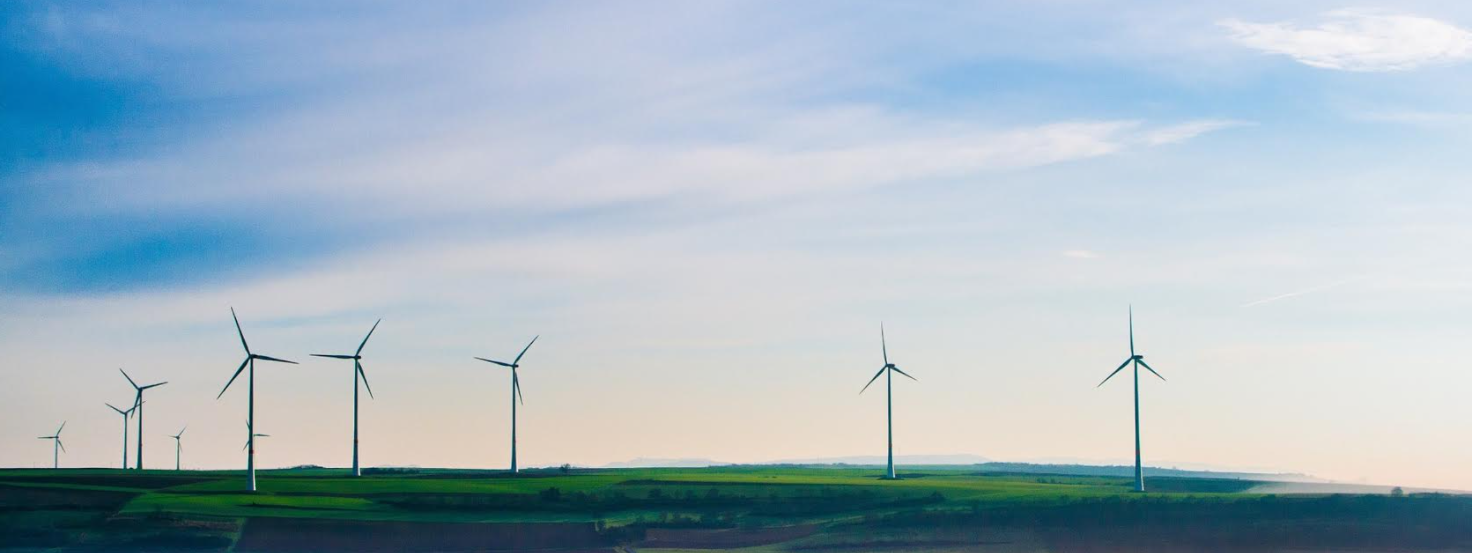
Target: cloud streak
1294, 294
1359, 40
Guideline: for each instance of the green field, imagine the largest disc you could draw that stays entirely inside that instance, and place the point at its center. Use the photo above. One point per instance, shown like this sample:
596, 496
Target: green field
756, 508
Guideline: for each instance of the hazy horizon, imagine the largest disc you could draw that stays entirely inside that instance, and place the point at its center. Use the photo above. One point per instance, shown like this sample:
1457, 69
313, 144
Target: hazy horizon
706, 210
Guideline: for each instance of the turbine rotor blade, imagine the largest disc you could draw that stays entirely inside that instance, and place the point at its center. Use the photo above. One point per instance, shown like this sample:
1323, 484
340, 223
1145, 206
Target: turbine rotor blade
130, 379
516, 386
120, 411
523, 350
58, 429
897, 369
334, 356
268, 358
153, 385
1152, 371
1116, 371
239, 331
365, 338
358, 366
876, 377
494, 361
1132, 331
63, 445
232, 378
882, 345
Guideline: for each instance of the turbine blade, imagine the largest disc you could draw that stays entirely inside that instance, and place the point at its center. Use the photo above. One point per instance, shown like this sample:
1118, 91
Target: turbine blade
130, 379
365, 338
153, 385
897, 369
516, 386
263, 435
494, 361
523, 350
358, 366
232, 378
1116, 371
239, 331
1132, 331
1152, 371
876, 377
58, 429
60, 443
882, 345
334, 356
120, 411
181, 431
267, 358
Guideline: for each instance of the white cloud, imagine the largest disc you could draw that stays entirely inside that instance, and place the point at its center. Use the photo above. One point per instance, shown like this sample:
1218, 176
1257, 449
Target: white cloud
1190, 129
1359, 40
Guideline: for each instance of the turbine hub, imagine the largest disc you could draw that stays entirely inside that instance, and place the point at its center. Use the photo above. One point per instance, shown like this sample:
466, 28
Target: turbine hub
1138, 357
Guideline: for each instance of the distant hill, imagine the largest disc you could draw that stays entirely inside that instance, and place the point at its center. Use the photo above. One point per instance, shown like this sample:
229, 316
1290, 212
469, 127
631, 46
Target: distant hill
956, 459
1129, 470
656, 462
981, 464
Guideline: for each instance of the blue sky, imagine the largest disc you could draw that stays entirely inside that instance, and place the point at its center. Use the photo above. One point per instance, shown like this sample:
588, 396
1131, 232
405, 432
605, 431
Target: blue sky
706, 209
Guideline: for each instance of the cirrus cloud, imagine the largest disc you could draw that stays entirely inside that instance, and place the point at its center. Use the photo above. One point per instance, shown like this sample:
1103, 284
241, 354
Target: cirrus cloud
1359, 40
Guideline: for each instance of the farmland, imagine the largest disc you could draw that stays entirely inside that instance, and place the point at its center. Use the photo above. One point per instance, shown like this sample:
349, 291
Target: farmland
753, 508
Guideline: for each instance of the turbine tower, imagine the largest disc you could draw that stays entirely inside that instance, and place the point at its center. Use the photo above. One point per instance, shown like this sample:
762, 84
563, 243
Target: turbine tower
1138, 361
515, 393
125, 415
138, 405
357, 358
55, 443
250, 409
178, 446
887, 370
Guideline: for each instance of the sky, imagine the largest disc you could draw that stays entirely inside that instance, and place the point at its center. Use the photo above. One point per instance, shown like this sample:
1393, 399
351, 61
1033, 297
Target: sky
706, 209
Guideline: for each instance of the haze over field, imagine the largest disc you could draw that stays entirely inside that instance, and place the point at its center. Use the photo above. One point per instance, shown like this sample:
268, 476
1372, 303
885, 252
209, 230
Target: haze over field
705, 210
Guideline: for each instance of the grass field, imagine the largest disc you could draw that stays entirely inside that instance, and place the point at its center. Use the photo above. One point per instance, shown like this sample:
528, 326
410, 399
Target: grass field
752, 508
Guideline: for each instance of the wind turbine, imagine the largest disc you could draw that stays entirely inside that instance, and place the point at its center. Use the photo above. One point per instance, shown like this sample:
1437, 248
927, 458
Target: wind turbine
138, 404
357, 358
250, 409
887, 370
125, 415
55, 443
249, 442
178, 446
515, 393
1138, 361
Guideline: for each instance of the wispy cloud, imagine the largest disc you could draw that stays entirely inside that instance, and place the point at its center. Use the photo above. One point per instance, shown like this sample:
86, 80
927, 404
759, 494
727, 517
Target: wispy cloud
1359, 40
1297, 293
1182, 132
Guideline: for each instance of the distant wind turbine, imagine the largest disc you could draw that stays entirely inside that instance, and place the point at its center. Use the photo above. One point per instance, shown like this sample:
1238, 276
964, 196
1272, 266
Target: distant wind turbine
55, 443
138, 405
1138, 361
515, 393
250, 409
250, 442
125, 415
887, 371
178, 446
357, 358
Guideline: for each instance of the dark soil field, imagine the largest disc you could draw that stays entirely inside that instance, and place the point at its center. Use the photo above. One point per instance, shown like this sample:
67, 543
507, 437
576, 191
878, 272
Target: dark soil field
286, 535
